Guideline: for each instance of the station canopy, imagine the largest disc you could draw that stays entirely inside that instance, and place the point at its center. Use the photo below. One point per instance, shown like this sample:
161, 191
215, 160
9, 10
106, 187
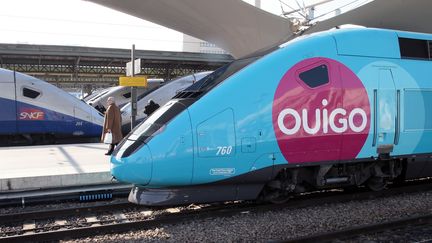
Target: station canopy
241, 28
408, 15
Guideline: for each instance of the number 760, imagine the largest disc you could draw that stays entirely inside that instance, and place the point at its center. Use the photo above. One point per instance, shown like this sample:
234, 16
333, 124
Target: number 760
223, 150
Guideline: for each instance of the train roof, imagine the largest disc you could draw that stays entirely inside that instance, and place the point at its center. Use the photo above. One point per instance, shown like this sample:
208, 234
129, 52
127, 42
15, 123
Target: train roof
361, 41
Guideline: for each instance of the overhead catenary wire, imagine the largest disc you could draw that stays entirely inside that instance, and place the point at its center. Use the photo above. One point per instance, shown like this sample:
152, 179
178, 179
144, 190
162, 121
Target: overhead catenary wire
292, 9
343, 6
302, 10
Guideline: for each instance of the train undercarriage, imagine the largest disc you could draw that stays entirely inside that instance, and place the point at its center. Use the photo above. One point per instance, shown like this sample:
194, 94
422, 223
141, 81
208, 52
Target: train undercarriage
375, 175
289, 181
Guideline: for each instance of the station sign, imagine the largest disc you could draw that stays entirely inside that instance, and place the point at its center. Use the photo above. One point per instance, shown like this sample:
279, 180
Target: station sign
137, 81
137, 67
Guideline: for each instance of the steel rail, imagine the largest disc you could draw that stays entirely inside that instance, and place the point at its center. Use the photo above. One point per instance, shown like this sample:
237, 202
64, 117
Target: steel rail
346, 234
64, 212
307, 200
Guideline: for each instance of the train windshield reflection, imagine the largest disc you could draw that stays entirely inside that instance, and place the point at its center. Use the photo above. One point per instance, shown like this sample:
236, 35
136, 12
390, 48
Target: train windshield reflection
157, 120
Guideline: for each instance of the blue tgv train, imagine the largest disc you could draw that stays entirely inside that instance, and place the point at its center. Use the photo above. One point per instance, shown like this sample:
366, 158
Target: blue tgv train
40, 112
340, 108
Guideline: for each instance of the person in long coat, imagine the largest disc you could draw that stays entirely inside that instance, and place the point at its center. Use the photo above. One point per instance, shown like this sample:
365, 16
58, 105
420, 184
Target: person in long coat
112, 124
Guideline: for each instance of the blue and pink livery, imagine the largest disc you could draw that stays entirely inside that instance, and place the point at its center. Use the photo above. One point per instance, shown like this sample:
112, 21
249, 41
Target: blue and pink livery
340, 108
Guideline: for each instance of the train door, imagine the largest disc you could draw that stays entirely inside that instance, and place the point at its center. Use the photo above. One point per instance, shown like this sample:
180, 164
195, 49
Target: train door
216, 148
32, 114
8, 112
385, 110
82, 123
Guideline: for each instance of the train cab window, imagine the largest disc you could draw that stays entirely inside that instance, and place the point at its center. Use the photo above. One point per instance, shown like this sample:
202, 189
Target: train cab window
127, 95
414, 48
33, 94
316, 76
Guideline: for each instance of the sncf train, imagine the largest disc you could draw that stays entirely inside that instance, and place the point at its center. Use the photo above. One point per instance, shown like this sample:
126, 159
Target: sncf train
35, 111
340, 108
121, 94
160, 96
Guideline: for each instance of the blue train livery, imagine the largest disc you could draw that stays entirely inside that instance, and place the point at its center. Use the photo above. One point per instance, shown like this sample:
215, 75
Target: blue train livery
38, 111
340, 108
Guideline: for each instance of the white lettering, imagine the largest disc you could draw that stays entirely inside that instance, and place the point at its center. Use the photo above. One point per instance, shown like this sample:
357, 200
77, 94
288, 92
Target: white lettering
325, 117
317, 122
341, 120
337, 120
37, 115
362, 126
281, 124
224, 150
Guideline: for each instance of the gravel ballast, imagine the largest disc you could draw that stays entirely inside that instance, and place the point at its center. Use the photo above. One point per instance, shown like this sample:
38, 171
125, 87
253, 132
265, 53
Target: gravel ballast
58, 205
282, 224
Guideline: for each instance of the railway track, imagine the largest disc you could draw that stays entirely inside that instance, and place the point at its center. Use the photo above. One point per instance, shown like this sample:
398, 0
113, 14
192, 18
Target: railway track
351, 233
50, 225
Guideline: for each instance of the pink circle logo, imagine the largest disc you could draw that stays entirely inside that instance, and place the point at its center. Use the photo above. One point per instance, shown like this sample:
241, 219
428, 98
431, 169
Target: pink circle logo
321, 112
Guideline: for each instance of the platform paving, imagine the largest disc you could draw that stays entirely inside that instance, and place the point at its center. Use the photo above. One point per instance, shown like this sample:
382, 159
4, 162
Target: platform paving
51, 166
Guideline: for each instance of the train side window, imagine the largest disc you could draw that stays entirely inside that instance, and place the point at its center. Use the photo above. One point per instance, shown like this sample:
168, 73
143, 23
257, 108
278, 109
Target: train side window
414, 48
33, 94
316, 76
127, 95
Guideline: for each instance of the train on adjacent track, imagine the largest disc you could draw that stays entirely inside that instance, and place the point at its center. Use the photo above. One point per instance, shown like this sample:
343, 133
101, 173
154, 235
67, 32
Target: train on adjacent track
121, 94
34, 111
160, 96
335, 109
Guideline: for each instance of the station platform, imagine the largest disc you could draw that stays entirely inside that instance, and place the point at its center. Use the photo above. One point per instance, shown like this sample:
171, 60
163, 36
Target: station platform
53, 166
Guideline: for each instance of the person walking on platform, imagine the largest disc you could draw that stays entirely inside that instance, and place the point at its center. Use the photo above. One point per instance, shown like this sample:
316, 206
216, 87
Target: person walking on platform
112, 124
150, 107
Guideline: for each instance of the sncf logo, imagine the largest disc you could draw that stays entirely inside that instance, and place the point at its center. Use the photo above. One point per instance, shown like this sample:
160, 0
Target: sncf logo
320, 112
337, 120
31, 114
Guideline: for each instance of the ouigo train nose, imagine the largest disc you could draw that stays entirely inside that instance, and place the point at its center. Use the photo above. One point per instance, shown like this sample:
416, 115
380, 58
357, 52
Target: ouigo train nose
135, 168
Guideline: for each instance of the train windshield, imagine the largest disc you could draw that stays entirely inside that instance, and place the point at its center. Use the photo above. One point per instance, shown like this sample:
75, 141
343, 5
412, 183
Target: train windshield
184, 80
99, 95
90, 96
157, 120
213, 79
126, 108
